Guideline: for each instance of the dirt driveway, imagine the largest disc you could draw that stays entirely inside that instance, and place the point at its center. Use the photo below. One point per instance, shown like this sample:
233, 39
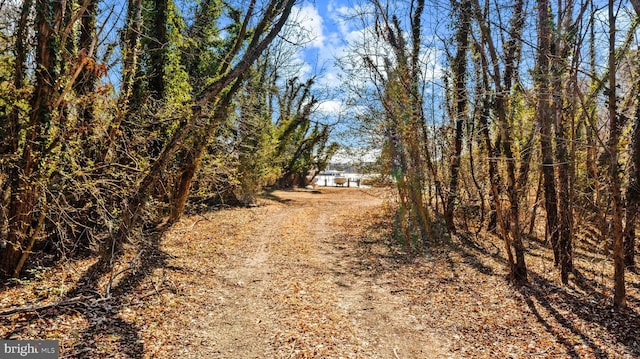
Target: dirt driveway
285, 280
318, 275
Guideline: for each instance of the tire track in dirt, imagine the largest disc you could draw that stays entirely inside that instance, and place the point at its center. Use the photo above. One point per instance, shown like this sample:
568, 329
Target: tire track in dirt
379, 315
240, 325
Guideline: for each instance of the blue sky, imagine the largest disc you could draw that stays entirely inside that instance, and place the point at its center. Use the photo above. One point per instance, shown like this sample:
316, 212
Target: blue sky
328, 34
321, 21
326, 31
329, 31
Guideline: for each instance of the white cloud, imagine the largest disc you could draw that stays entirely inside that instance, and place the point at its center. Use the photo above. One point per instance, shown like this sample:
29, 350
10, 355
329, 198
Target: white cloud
332, 35
347, 18
330, 107
330, 79
311, 23
331, 5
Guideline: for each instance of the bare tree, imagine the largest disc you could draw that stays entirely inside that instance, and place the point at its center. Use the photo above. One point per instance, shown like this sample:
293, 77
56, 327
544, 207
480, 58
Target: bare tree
463, 12
633, 191
503, 79
612, 154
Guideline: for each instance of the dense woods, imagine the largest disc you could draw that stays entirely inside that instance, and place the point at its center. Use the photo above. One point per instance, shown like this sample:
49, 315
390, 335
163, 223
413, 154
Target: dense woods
104, 135
550, 102
508, 120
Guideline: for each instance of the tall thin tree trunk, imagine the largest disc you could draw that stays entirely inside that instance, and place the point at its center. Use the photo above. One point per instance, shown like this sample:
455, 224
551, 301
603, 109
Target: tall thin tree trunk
193, 158
532, 219
619, 296
545, 116
519, 271
157, 50
512, 56
633, 193
503, 81
594, 180
560, 112
564, 206
494, 174
463, 11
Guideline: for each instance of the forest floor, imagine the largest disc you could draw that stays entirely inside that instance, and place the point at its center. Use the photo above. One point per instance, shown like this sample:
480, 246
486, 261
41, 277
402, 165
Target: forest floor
316, 274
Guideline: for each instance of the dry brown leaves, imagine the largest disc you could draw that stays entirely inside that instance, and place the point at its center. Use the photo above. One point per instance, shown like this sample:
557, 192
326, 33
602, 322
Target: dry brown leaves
461, 289
318, 275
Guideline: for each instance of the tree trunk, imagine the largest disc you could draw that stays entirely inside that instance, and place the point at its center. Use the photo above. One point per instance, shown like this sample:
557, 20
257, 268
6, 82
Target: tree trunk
24, 190
502, 81
86, 83
157, 50
633, 193
519, 270
460, 104
560, 106
193, 157
494, 175
532, 219
189, 171
545, 118
512, 56
564, 208
9, 135
619, 296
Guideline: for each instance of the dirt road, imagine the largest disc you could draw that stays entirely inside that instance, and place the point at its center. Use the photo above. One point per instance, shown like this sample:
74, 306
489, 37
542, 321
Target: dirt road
318, 275
286, 280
